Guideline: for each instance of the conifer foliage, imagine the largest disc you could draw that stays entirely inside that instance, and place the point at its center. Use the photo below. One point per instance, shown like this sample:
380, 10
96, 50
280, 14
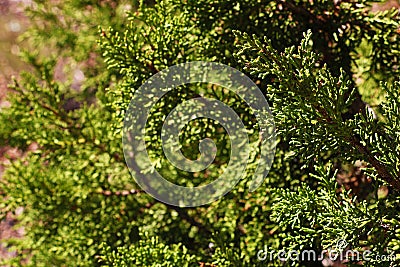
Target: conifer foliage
336, 173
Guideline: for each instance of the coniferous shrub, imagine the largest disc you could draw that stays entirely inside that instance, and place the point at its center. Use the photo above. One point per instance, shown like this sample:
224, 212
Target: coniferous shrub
317, 62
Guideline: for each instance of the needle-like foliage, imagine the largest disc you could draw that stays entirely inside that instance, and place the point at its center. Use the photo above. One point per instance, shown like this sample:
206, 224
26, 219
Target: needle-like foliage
336, 172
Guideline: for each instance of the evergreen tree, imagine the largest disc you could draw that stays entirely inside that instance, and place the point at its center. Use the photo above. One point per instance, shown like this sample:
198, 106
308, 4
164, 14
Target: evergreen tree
336, 173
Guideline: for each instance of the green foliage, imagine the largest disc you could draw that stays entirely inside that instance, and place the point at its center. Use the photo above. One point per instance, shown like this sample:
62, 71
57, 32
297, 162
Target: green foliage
148, 252
310, 106
81, 206
312, 113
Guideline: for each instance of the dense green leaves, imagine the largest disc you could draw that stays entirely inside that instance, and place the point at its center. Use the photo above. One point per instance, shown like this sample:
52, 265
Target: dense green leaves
312, 60
148, 252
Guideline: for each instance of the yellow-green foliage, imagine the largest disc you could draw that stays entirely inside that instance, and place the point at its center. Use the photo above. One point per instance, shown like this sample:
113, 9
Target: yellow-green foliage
82, 207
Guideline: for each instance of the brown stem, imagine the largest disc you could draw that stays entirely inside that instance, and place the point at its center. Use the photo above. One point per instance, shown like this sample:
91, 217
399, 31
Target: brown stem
355, 142
380, 168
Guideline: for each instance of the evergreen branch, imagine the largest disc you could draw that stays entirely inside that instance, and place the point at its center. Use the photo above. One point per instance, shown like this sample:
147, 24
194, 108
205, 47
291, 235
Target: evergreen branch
380, 168
316, 101
181, 212
355, 142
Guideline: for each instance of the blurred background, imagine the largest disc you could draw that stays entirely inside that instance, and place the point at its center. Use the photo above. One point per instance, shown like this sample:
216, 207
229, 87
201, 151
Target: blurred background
12, 25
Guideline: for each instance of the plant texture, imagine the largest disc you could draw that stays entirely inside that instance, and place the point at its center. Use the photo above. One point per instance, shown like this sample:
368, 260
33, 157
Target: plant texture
336, 172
